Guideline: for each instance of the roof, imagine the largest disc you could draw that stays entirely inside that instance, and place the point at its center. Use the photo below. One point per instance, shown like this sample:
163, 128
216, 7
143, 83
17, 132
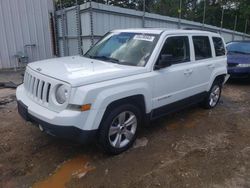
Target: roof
161, 30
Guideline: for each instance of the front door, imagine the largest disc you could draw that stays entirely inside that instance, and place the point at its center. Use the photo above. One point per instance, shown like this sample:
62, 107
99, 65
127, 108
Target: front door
175, 82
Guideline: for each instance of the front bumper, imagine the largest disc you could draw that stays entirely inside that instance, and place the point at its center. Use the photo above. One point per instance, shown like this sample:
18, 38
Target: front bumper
68, 132
239, 72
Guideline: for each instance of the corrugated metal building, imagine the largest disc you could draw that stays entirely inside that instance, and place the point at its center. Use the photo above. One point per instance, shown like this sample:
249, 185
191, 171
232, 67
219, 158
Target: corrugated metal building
89, 21
25, 31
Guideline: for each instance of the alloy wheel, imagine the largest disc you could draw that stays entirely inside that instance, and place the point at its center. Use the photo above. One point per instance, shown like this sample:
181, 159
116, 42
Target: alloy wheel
214, 95
122, 129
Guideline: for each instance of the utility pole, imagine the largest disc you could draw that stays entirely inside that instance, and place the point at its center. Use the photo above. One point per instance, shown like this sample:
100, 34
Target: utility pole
179, 11
61, 4
222, 17
235, 22
246, 25
204, 14
144, 10
235, 25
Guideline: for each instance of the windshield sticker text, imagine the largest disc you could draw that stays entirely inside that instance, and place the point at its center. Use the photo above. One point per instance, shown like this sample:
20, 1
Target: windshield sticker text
144, 37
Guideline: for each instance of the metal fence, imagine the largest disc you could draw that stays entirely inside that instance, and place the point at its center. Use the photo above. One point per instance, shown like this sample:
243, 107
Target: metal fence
80, 26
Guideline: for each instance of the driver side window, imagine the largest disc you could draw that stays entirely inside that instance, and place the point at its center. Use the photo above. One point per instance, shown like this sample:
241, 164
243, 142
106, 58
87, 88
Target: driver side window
176, 50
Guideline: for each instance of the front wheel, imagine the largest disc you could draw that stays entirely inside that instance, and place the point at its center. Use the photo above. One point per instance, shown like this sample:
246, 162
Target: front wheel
213, 96
118, 129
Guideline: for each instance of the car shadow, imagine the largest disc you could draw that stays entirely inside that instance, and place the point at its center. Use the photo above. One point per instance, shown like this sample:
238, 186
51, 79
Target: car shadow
239, 81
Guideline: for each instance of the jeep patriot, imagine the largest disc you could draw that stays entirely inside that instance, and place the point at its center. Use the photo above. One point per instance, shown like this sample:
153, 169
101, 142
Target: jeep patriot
126, 79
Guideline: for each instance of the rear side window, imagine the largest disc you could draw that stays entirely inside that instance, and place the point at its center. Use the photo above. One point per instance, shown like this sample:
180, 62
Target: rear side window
202, 47
176, 50
219, 46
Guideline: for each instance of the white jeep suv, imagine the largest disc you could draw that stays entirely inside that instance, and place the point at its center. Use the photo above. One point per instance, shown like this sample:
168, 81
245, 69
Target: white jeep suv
128, 78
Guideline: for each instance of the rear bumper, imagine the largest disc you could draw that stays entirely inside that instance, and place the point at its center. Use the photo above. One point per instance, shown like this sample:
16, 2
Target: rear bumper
68, 132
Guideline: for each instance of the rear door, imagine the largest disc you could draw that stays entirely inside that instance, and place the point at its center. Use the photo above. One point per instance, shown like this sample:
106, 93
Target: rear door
205, 64
220, 60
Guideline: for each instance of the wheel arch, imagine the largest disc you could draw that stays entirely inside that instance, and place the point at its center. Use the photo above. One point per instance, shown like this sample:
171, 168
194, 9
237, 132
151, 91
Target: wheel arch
219, 77
105, 100
137, 100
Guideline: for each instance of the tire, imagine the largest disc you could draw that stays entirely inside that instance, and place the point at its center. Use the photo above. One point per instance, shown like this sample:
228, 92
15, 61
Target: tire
115, 136
213, 96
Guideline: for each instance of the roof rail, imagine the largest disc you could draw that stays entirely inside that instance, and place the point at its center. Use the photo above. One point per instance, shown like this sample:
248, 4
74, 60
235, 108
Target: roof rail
201, 29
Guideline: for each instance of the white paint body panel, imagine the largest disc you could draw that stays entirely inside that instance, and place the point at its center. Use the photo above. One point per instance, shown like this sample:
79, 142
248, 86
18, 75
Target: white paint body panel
78, 70
100, 83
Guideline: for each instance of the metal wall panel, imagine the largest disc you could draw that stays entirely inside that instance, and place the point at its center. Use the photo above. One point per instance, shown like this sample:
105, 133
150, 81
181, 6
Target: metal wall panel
85, 23
73, 44
113, 22
24, 22
238, 37
160, 24
71, 23
87, 44
227, 36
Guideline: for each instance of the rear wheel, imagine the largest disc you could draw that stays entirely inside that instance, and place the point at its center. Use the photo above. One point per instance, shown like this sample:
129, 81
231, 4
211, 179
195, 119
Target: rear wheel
119, 127
213, 96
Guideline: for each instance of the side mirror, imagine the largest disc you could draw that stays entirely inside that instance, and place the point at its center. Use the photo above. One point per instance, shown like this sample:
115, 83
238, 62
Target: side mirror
164, 61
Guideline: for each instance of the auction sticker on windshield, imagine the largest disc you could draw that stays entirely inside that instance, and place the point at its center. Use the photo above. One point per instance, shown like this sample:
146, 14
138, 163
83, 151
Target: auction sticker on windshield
144, 37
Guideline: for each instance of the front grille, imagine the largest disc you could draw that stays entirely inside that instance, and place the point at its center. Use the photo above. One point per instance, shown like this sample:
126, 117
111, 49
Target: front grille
37, 88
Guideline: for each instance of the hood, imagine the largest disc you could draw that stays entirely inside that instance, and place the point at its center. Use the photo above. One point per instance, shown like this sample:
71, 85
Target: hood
77, 70
238, 58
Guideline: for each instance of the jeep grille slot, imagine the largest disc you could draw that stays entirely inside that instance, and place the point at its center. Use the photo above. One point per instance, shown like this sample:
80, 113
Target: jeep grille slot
37, 85
37, 88
48, 90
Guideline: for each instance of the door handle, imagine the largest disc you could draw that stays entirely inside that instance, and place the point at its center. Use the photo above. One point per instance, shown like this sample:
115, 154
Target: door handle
188, 72
211, 66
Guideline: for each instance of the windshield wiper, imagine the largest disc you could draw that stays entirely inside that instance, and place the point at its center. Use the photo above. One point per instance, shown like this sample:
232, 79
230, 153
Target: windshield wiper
105, 58
110, 59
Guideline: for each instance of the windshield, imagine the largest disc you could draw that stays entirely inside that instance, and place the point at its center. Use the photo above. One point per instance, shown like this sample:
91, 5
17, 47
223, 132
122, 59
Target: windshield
239, 47
124, 48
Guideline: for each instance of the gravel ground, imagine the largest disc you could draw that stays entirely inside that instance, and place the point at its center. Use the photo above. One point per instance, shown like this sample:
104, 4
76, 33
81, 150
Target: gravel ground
191, 148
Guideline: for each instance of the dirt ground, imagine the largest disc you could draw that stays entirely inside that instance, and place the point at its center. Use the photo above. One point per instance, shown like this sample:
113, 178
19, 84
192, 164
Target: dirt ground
191, 148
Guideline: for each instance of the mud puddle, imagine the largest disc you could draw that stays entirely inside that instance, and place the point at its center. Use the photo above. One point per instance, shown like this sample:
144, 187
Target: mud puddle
75, 168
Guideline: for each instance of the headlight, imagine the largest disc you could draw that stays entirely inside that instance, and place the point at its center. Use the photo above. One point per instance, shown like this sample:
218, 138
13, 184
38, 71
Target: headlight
62, 93
243, 65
